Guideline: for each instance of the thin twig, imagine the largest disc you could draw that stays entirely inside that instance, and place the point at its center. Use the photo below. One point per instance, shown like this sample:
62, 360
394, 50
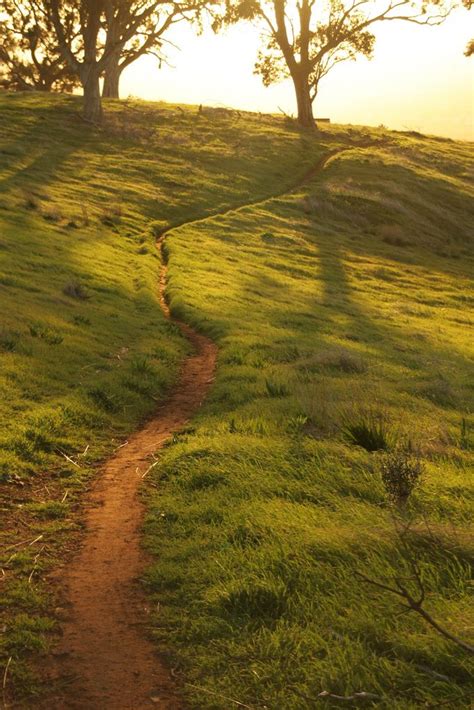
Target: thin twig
121, 446
24, 542
149, 468
68, 458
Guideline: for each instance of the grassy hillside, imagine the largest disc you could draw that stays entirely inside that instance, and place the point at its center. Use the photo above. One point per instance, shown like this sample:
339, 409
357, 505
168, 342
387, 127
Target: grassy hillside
342, 302
345, 304
85, 353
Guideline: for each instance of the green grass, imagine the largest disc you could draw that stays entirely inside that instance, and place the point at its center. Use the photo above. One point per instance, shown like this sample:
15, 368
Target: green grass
345, 301
344, 304
85, 352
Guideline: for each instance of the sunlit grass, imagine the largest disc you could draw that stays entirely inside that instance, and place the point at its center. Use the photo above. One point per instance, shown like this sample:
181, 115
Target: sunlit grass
85, 353
345, 301
347, 296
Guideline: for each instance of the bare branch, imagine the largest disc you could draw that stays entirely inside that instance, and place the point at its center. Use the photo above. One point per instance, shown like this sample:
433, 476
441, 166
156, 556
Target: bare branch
416, 605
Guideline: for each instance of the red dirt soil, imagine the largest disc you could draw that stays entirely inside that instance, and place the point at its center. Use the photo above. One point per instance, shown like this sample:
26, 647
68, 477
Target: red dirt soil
104, 659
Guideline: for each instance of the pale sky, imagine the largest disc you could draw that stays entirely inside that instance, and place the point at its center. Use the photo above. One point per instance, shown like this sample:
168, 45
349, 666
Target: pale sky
418, 80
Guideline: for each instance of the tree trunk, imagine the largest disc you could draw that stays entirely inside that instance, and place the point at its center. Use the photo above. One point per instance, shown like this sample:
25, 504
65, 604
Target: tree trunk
304, 103
92, 100
110, 90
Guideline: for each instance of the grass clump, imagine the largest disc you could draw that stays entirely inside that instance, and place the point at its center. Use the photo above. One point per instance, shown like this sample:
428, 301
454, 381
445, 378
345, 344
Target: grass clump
254, 602
44, 332
276, 389
367, 428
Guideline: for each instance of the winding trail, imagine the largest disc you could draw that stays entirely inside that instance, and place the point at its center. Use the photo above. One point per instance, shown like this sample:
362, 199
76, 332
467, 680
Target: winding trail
105, 660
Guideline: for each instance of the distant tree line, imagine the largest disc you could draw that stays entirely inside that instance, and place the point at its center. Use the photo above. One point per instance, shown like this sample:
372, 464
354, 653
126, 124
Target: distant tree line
60, 45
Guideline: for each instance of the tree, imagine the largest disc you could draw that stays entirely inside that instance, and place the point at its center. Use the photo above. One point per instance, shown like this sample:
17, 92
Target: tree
91, 58
29, 55
83, 61
114, 33
132, 41
305, 39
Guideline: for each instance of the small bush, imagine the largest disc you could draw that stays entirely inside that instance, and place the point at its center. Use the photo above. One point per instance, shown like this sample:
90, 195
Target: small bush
368, 429
401, 472
75, 289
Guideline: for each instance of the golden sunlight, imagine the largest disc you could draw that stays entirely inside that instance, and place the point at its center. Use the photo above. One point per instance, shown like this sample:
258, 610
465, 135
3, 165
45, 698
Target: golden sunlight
418, 80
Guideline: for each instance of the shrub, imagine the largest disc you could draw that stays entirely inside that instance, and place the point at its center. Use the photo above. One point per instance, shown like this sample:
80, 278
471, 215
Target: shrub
401, 472
368, 429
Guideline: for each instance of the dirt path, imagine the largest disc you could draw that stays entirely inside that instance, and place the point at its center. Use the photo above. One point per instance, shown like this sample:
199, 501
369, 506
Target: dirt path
104, 659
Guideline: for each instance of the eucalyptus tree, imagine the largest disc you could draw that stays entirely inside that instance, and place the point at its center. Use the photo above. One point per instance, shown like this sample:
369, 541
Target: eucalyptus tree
305, 39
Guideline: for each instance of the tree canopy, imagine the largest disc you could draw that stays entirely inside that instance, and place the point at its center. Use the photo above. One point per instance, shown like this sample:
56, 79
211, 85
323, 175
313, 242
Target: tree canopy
29, 52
